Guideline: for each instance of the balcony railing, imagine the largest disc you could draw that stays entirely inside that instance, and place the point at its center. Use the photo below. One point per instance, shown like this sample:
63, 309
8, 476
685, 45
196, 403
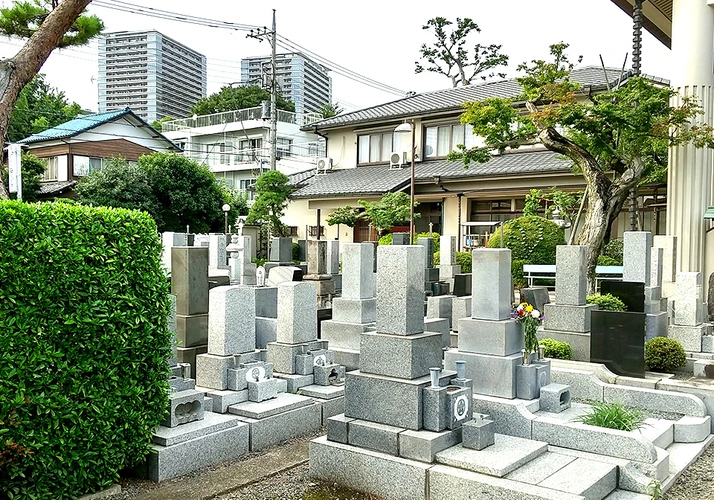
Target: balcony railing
241, 157
240, 115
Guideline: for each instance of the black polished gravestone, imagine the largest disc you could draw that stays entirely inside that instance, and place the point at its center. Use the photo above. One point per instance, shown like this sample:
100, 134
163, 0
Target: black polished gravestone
617, 340
632, 293
537, 296
462, 285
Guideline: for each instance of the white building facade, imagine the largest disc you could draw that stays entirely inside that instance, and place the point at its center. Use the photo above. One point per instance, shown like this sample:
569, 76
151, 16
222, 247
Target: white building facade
301, 80
150, 73
235, 145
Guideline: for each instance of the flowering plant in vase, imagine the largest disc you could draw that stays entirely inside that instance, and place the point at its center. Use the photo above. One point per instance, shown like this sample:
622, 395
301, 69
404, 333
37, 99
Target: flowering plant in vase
530, 318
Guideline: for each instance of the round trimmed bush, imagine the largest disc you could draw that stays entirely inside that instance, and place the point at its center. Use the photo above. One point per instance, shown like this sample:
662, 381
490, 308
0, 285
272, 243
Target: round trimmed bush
664, 355
385, 240
607, 302
556, 349
465, 260
532, 239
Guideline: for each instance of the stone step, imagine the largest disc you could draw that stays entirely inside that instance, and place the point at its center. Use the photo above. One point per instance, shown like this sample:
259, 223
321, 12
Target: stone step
587, 478
704, 368
660, 432
681, 456
627, 495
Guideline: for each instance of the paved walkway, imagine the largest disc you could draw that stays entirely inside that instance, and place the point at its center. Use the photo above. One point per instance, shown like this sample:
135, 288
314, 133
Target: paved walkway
232, 477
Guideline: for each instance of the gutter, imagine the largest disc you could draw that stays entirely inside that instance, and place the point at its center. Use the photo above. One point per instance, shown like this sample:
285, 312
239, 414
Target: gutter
324, 137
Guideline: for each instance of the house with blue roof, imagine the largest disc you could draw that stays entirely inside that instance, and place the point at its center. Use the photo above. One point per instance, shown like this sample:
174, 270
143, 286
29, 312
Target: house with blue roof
78, 147
367, 158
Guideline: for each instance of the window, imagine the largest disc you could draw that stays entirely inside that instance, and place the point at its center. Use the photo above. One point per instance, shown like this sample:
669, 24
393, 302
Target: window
84, 165
443, 139
374, 148
284, 146
249, 149
51, 169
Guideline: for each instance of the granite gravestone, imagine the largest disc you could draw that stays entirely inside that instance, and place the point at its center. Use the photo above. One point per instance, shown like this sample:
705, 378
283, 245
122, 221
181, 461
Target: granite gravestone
617, 341
632, 293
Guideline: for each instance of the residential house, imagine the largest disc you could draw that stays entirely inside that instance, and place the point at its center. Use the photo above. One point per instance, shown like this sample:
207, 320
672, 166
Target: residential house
367, 158
235, 144
78, 147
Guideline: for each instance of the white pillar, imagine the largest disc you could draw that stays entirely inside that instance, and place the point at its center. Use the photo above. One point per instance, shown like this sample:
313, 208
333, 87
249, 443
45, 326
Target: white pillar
689, 183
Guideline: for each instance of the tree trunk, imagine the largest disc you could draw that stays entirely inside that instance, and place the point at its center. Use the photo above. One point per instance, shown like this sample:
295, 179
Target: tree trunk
16, 72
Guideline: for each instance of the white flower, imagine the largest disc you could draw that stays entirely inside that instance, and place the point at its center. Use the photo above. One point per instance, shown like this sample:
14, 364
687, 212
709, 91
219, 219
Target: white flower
535, 313
520, 308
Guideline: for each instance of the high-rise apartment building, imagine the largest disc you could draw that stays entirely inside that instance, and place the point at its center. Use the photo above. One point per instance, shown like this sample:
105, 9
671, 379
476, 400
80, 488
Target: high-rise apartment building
303, 81
150, 73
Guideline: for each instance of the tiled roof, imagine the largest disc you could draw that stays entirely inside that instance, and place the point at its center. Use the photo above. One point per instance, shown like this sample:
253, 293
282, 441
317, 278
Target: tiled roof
84, 123
379, 179
454, 98
55, 187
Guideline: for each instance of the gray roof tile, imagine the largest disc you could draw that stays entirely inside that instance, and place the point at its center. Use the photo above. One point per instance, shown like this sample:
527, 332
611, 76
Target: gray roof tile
379, 179
454, 98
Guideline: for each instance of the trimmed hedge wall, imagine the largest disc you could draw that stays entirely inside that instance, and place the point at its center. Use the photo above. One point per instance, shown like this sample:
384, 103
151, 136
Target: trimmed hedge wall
83, 346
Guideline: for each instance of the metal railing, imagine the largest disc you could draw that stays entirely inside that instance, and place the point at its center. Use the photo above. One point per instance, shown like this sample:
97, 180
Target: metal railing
309, 150
240, 115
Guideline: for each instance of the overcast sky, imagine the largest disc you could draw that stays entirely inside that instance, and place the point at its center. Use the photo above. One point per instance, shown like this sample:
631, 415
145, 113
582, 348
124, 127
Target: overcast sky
378, 39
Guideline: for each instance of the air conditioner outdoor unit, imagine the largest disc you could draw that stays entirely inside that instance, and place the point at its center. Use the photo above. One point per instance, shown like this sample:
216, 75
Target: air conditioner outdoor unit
323, 165
397, 159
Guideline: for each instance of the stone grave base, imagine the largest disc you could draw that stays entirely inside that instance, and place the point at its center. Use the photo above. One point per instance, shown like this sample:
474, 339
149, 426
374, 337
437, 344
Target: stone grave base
579, 342
689, 336
331, 399
656, 325
496, 375
189, 447
278, 420
349, 358
344, 335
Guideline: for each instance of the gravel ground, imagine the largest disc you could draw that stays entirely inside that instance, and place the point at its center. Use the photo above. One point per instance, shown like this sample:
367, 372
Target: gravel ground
697, 482
295, 484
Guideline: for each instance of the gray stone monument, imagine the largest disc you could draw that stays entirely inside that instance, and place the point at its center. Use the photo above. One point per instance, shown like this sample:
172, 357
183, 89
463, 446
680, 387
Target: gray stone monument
189, 282
432, 284
318, 272
668, 244
333, 263
448, 268
217, 258
569, 318
689, 325
280, 254
169, 240
355, 311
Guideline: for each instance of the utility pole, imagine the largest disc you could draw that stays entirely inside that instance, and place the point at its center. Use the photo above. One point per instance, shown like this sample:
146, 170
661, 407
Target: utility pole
271, 36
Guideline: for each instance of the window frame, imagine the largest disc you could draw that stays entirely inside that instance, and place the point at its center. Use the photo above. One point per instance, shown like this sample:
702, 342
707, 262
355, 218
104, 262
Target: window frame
380, 147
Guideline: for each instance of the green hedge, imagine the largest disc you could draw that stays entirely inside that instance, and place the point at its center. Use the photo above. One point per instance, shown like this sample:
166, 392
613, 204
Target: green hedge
556, 349
607, 302
664, 355
83, 346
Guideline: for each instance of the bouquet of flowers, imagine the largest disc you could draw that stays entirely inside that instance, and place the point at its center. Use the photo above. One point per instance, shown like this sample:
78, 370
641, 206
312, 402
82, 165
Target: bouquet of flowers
530, 318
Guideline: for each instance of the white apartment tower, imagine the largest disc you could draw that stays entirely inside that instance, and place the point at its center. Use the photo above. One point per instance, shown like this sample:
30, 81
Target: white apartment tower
303, 81
150, 73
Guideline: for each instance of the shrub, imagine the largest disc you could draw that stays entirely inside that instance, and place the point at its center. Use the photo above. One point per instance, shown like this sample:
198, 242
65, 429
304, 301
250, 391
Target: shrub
296, 252
465, 260
385, 240
613, 416
613, 250
519, 280
83, 346
664, 355
427, 235
604, 260
532, 239
556, 349
607, 302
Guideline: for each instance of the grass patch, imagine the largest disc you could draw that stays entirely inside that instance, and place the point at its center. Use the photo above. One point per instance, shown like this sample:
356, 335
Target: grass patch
613, 416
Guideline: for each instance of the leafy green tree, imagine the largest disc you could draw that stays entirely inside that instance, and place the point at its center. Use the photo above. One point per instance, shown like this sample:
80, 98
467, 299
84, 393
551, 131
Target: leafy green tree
626, 131
39, 107
48, 25
449, 56
119, 184
566, 203
272, 191
32, 169
233, 98
330, 109
343, 215
239, 204
159, 124
392, 209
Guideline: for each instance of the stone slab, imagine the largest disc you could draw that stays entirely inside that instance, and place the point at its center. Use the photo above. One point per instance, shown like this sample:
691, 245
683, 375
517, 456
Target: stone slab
189, 270
338, 428
504, 456
266, 331
406, 357
571, 275
650, 399
540, 468
343, 335
296, 382
497, 338
331, 407
281, 427
297, 312
689, 336
360, 311
461, 308
323, 391
440, 326
374, 436
266, 301
588, 478
223, 399
692, 429
637, 257
382, 475
440, 307
167, 462
212, 371
231, 320
513, 417
491, 283
492, 375
424, 445
211, 423
579, 342
568, 318
387, 400
448, 483
282, 403
358, 280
